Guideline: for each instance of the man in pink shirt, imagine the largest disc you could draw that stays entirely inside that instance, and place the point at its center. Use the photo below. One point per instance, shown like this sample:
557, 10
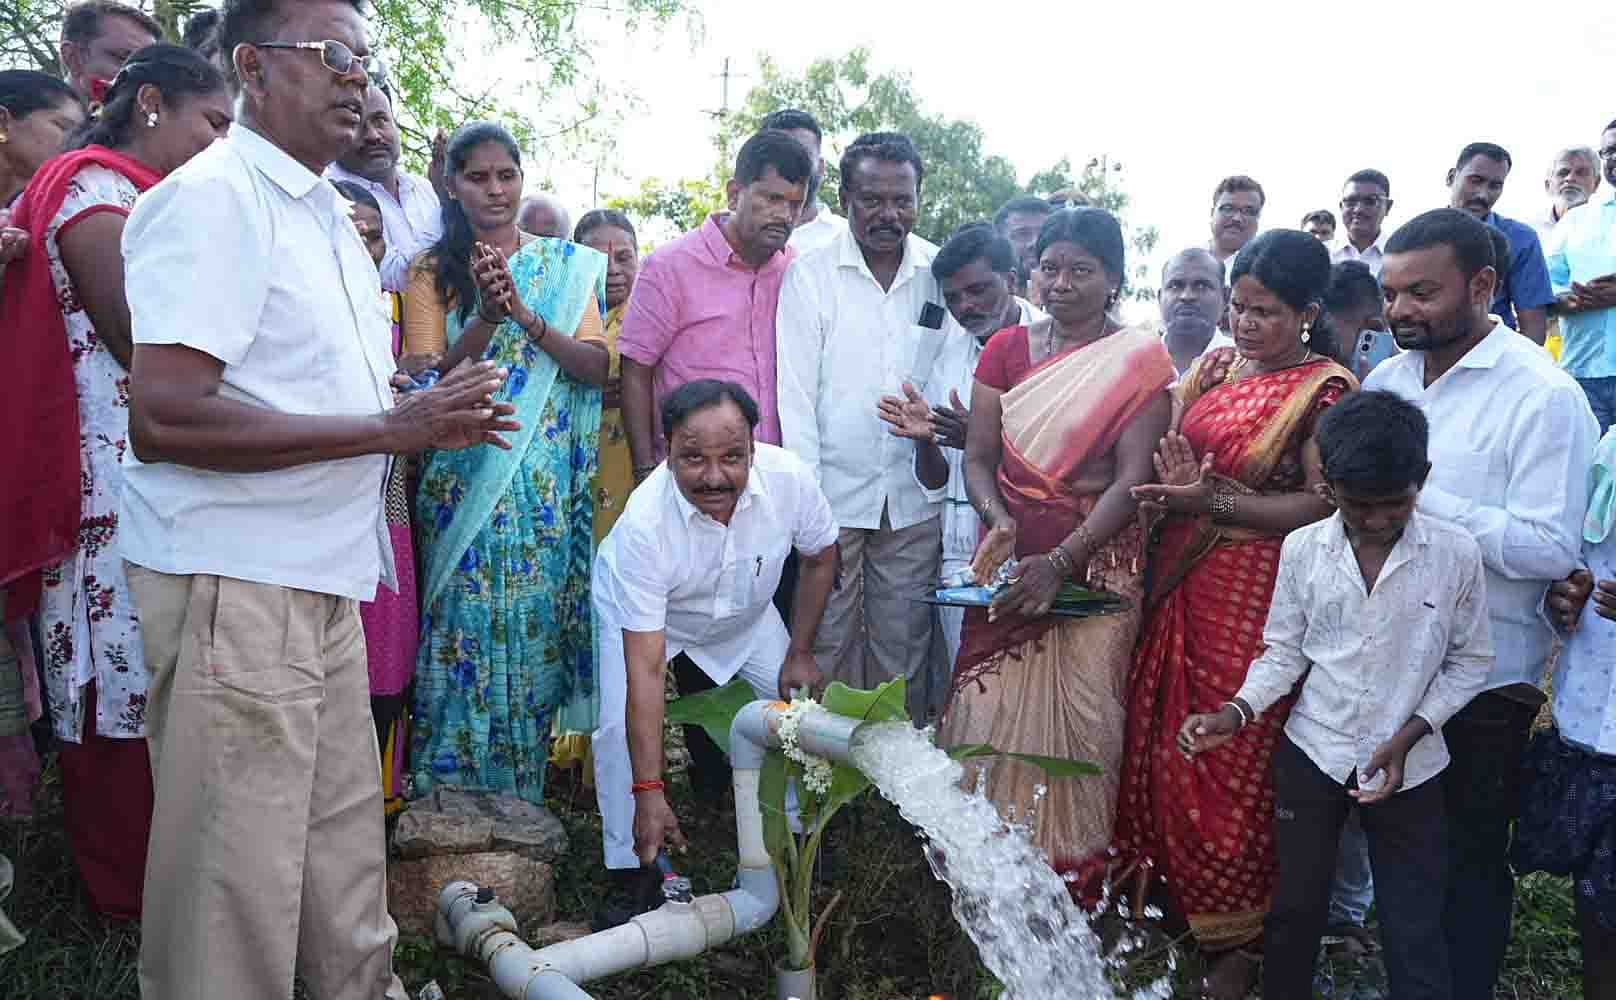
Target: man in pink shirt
704, 305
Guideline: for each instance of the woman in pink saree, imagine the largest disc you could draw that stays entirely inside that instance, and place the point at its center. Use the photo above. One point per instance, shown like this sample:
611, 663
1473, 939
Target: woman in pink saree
1065, 418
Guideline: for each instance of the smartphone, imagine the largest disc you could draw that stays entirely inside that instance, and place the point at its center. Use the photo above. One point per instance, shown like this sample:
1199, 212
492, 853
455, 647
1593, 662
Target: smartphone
1370, 349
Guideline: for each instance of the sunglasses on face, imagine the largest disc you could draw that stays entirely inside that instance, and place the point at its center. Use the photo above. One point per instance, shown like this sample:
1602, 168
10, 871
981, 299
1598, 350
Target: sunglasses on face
337, 57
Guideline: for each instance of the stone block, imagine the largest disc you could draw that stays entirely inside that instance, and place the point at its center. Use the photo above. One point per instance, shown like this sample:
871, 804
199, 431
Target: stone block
525, 887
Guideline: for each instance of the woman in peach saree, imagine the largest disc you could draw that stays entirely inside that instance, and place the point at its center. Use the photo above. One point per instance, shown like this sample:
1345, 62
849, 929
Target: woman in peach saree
1065, 417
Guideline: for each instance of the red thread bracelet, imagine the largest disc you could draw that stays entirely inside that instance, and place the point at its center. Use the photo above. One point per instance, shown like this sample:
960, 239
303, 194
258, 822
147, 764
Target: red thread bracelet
654, 785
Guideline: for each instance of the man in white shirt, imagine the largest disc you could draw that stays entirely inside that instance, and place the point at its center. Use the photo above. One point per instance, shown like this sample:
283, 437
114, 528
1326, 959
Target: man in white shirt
857, 320
1365, 202
412, 215
1192, 300
1237, 204
689, 570
977, 271
261, 423
1380, 612
817, 226
1511, 438
1572, 179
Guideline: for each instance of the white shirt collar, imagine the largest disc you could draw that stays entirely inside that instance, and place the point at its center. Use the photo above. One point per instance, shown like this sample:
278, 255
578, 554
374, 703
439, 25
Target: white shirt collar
851, 255
275, 163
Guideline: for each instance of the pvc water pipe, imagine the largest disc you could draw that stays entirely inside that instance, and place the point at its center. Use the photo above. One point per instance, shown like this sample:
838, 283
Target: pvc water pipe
472, 921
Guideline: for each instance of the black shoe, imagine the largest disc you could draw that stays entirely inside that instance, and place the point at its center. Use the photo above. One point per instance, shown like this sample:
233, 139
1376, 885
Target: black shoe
632, 891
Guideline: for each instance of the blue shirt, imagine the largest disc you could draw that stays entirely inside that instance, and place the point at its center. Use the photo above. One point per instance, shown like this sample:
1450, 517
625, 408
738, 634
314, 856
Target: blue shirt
1526, 284
1582, 247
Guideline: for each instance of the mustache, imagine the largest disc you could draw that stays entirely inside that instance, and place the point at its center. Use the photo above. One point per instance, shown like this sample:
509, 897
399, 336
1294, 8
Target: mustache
712, 491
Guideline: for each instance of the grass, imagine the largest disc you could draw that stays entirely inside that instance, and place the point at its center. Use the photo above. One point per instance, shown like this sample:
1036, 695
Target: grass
893, 938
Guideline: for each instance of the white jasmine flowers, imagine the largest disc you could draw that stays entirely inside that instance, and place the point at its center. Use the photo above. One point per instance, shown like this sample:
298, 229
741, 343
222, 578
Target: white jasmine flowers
817, 771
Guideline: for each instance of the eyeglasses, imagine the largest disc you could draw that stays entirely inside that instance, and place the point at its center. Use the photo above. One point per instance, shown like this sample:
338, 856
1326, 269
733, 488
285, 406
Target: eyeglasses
1368, 202
337, 57
1229, 211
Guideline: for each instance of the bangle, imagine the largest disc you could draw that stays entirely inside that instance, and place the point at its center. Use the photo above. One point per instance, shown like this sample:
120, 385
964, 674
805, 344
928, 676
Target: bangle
1085, 538
654, 785
1060, 559
544, 329
1222, 506
1246, 719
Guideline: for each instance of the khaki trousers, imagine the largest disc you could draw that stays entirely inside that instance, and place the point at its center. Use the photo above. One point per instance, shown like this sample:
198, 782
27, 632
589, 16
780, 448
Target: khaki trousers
267, 856
875, 627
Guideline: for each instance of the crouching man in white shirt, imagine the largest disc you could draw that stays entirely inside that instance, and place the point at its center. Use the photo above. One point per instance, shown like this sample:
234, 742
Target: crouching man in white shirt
690, 568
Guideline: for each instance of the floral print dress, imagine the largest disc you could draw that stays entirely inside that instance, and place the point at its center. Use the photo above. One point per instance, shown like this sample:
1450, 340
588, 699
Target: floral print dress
87, 615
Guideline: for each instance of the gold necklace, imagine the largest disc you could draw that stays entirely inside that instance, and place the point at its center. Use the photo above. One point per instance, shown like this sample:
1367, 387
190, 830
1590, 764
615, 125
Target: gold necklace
1241, 361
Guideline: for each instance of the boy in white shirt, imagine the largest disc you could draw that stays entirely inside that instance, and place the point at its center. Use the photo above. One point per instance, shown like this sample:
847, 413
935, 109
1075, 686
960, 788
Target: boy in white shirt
1384, 610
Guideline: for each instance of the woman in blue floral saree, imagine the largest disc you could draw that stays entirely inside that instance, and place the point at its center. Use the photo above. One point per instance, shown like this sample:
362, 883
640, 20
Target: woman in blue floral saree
506, 536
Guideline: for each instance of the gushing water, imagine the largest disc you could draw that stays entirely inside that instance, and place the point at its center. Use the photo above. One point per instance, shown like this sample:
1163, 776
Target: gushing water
1030, 934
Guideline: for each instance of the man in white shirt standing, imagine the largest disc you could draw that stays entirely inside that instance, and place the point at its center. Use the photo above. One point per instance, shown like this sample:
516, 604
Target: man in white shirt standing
1365, 202
260, 427
858, 319
977, 271
689, 570
412, 216
817, 226
1511, 439
1192, 299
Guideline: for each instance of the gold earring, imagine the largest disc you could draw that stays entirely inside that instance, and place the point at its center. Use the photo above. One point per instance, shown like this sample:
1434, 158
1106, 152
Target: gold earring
1306, 336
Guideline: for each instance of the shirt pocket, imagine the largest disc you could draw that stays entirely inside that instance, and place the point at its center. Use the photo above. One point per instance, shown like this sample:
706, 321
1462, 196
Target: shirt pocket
1469, 474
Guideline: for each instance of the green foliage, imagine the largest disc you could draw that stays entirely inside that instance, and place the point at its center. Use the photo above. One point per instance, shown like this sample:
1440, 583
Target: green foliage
714, 710
964, 182
439, 55
685, 206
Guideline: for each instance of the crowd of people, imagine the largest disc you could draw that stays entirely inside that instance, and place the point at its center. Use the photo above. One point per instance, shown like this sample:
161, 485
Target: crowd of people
331, 485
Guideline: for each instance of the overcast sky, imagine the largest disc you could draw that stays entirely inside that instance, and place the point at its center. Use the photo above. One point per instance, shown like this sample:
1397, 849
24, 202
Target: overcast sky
1298, 95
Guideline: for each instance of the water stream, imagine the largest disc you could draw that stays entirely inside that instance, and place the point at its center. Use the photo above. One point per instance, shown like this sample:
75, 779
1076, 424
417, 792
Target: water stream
1030, 934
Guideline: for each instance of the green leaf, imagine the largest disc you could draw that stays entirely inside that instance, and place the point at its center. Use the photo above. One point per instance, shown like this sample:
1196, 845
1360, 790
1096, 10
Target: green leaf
885, 704
1054, 767
713, 710
772, 805
1058, 767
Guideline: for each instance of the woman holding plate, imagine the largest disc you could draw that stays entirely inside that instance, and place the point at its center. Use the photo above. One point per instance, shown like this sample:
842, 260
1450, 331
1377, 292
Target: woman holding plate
1065, 418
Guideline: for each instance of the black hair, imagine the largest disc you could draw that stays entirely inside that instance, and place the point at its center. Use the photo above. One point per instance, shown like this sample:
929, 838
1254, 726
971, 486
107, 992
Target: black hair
892, 147
773, 148
1372, 176
700, 394
1095, 230
1239, 182
1352, 285
1026, 204
969, 242
1491, 150
82, 22
1295, 266
1319, 215
451, 255
354, 193
1609, 126
791, 120
254, 21
177, 72
1374, 442
24, 91
201, 29
1466, 234
596, 218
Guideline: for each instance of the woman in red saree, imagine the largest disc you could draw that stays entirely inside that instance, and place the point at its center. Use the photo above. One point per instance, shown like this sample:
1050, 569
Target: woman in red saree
63, 433
1233, 483
1065, 416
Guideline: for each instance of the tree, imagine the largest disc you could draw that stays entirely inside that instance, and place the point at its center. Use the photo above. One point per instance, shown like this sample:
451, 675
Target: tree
683, 206
445, 57
963, 183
